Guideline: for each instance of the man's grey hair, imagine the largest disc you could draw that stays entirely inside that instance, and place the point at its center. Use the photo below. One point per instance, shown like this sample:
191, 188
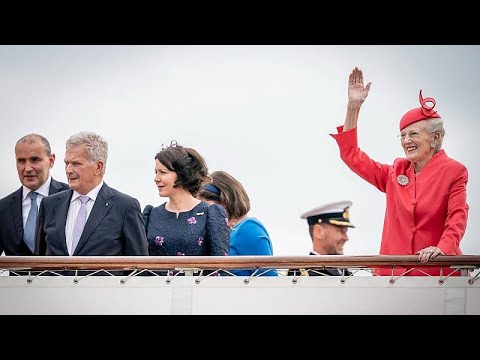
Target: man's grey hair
32, 137
96, 147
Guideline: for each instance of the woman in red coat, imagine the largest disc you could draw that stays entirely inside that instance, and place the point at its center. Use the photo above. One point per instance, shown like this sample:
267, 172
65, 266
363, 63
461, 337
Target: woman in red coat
426, 207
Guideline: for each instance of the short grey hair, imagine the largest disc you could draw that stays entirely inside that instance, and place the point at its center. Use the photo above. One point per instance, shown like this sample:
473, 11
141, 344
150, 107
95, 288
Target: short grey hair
436, 125
96, 146
32, 137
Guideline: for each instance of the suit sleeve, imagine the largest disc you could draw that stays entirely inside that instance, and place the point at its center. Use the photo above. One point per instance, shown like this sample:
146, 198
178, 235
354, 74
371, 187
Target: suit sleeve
457, 214
40, 242
146, 215
218, 231
358, 161
134, 231
252, 239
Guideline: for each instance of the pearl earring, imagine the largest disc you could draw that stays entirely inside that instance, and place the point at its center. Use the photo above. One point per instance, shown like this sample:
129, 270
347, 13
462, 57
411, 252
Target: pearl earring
432, 145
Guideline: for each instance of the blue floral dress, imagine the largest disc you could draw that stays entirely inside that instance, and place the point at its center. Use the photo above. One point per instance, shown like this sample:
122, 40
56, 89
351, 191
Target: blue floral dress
202, 231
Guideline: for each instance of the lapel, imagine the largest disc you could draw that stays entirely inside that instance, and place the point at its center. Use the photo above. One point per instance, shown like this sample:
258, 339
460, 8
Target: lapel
102, 206
54, 187
60, 213
16, 211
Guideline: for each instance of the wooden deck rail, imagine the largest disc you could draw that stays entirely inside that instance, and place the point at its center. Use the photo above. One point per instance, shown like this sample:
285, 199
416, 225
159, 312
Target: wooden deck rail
229, 262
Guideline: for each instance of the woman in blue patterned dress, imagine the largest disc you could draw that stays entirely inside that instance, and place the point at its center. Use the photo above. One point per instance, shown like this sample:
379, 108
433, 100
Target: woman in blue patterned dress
184, 225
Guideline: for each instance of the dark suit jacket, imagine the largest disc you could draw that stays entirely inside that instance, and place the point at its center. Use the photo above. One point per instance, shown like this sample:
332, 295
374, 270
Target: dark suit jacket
114, 226
11, 224
319, 272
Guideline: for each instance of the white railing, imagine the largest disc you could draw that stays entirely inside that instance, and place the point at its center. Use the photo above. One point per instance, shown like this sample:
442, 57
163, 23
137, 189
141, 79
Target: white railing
39, 289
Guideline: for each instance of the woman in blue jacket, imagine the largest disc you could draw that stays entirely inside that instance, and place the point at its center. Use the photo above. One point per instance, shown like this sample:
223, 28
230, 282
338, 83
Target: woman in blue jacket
248, 235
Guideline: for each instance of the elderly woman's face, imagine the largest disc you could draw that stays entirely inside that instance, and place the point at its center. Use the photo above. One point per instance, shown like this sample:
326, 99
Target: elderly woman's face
417, 141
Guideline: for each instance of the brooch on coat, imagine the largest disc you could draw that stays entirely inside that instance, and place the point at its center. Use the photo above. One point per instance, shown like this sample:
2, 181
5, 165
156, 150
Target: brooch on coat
403, 180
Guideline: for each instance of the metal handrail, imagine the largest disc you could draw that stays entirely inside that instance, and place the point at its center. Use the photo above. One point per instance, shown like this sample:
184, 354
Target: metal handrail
231, 262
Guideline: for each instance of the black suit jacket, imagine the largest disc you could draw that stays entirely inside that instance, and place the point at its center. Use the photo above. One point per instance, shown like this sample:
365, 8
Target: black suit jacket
319, 272
11, 224
114, 226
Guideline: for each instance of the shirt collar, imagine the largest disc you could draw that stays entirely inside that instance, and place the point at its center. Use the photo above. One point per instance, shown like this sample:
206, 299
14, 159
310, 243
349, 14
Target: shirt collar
92, 194
42, 190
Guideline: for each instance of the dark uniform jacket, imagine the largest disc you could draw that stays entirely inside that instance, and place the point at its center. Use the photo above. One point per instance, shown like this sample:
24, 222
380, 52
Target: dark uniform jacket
319, 272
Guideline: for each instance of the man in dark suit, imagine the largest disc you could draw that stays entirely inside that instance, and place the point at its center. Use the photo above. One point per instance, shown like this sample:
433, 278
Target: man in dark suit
328, 225
90, 219
34, 160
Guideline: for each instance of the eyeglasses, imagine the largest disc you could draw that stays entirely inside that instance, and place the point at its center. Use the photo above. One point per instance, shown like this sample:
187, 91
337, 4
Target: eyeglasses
412, 134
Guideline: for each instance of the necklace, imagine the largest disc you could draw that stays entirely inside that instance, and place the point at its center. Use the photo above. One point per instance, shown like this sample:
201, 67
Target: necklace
234, 222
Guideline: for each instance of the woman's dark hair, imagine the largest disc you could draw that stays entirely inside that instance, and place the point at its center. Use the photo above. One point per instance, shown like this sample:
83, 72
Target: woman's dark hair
233, 196
190, 166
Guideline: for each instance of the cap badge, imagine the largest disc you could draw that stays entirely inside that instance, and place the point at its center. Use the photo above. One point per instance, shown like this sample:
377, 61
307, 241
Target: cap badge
403, 180
346, 213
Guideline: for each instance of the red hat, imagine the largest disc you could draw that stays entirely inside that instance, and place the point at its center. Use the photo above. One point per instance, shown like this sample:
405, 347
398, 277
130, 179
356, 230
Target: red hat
422, 113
